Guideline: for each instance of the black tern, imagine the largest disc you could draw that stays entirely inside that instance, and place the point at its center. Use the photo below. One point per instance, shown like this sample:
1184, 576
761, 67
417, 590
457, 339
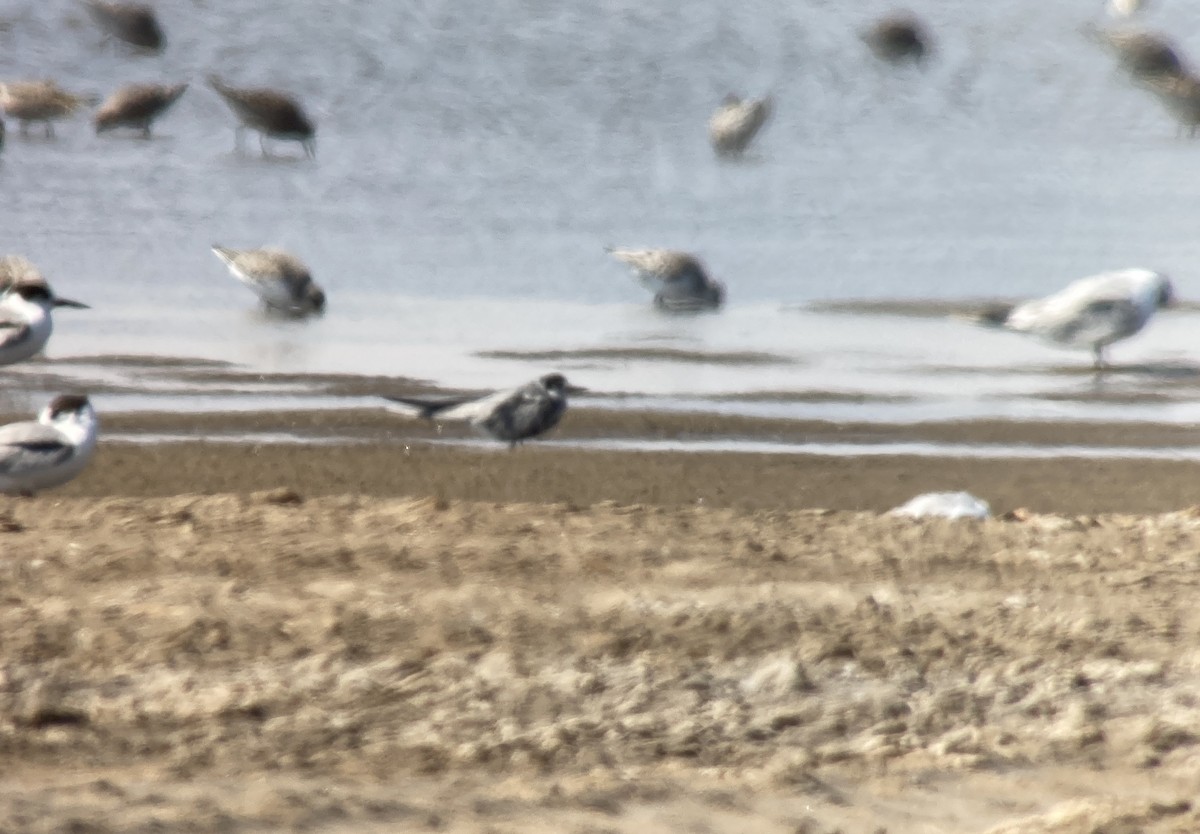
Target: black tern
1092, 312
512, 416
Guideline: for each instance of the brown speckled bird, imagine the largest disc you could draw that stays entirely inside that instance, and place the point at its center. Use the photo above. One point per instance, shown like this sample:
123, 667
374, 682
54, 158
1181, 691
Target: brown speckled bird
134, 23
137, 106
38, 101
273, 114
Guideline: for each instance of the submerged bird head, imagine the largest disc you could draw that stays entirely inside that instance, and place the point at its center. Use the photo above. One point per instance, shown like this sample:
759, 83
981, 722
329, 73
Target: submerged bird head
39, 293
557, 384
67, 410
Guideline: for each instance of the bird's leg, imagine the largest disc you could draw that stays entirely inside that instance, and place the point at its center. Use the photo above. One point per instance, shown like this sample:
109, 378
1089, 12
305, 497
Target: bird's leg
146, 131
49, 129
1098, 357
262, 143
238, 141
24, 127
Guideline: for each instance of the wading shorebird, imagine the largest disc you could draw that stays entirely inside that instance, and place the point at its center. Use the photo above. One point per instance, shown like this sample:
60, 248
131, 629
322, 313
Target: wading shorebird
737, 122
134, 23
1091, 313
47, 452
271, 113
38, 101
897, 38
511, 416
25, 320
137, 106
1144, 55
279, 278
678, 280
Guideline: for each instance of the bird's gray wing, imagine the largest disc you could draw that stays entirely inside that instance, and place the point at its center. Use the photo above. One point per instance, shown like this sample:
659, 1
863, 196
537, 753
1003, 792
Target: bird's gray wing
31, 446
13, 330
1102, 320
527, 412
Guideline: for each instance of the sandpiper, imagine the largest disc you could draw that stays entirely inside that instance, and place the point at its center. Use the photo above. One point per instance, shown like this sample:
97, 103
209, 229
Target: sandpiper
273, 114
1144, 55
678, 280
25, 320
38, 101
134, 23
737, 122
511, 416
280, 279
48, 452
897, 38
1092, 313
137, 106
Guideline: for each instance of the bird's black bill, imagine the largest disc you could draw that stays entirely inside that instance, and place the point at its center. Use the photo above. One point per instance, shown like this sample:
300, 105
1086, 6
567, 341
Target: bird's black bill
575, 389
66, 302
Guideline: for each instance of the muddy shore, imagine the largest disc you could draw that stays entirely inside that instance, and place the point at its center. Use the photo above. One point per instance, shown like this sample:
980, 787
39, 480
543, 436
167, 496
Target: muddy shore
276, 661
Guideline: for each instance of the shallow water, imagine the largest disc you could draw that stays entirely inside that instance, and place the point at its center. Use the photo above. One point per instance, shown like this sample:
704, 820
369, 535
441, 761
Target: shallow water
473, 163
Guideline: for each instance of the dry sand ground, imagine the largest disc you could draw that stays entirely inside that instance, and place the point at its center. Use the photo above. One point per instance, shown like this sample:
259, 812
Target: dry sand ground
257, 662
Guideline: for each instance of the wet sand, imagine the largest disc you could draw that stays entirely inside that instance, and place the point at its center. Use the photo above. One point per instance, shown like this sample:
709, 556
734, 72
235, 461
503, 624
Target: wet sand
271, 661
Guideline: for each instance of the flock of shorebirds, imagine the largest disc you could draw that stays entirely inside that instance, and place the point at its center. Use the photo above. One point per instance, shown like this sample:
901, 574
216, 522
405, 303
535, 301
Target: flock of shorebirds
1090, 313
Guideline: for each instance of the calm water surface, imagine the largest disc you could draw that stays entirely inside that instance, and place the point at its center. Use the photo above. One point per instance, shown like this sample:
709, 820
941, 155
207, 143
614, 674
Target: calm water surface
474, 161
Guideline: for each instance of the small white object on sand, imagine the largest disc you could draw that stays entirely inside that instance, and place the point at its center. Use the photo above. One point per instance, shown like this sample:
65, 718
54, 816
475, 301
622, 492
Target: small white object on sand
944, 505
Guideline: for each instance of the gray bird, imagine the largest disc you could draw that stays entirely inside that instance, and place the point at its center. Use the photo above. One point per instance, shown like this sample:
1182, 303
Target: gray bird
137, 106
1090, 313
271, 113
25, 319
678, 280
512, 416
134, 23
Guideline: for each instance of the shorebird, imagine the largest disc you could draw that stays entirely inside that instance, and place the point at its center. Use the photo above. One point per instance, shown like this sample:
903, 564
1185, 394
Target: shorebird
1144, 55
737, 122
678, 280
897, 38
25, 320
1180, 95
137, 106
1091, 313
280, 279
133, 23
273, 114
512, 416
38, 101
48, 452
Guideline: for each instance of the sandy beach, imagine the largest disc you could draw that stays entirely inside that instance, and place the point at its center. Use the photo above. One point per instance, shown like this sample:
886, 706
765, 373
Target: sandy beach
364, 637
